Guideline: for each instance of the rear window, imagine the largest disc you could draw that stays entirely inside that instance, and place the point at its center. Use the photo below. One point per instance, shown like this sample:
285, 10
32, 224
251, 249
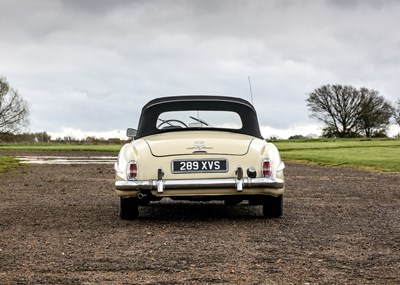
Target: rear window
197, 119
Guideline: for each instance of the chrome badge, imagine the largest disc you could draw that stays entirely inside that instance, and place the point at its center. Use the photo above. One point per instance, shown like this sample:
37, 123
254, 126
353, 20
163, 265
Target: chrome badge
199, 146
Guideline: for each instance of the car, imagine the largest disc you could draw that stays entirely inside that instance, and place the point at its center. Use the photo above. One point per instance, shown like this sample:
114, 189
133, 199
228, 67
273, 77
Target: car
199, 148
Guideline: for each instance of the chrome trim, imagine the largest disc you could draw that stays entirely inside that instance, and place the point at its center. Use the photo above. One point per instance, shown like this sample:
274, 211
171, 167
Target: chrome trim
160, 182
239, 179
128, 170
269, 168
199, 183
160, 186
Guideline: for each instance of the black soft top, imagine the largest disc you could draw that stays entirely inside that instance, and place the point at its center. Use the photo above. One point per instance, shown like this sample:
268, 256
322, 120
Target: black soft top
152, 110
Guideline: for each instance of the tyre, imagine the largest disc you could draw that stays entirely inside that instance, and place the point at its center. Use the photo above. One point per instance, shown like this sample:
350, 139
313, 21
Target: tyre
273, 206
128, 208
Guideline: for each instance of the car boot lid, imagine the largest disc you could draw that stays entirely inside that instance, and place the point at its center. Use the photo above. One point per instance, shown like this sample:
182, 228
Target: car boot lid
200, 142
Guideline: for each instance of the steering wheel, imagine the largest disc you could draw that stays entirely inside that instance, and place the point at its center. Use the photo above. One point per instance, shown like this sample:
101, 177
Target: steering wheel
172, 125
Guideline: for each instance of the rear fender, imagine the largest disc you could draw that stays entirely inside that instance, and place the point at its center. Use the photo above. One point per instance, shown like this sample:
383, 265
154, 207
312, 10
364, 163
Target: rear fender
125, 155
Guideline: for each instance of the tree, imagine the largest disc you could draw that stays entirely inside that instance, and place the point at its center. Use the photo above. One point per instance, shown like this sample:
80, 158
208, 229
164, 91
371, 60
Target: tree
14, 109
376, 113
338, 107
348, 112
396, 112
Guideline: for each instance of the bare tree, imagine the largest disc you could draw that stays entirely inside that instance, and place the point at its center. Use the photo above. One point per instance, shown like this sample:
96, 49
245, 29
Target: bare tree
348, 112
396, 112
338, 107
376, 113
14, 109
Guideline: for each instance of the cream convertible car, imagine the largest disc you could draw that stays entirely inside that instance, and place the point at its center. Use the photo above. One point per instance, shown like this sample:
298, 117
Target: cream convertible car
199, 148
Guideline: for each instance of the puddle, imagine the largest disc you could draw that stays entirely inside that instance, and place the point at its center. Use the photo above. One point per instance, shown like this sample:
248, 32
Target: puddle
67, 159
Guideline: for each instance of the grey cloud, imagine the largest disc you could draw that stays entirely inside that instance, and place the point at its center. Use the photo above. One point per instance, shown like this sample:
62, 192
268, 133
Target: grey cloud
120, 54
353, 4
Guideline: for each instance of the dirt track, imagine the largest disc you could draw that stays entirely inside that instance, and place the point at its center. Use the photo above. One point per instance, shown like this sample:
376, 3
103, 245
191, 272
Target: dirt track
60, 225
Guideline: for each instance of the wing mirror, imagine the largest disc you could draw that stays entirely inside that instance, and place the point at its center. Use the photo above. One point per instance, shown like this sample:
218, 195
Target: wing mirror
131, 133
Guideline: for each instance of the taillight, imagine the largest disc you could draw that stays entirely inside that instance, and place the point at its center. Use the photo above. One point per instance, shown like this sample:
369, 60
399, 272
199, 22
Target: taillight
266, 168
132, 170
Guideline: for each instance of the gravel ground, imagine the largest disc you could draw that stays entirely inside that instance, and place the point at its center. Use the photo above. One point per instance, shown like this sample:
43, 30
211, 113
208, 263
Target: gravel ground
60, 225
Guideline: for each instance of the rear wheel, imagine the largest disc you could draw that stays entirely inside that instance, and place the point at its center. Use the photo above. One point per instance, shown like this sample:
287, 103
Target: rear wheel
273, 206
129, 208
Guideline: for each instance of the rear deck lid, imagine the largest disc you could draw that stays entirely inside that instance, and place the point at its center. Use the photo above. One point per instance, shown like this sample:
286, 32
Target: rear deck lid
201, 142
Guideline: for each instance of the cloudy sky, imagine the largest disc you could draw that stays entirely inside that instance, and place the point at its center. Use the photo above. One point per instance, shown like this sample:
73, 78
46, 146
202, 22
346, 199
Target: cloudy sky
89, 66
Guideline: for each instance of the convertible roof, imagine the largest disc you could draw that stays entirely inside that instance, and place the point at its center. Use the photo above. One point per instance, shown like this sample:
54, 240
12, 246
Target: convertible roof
152, 110
197, 98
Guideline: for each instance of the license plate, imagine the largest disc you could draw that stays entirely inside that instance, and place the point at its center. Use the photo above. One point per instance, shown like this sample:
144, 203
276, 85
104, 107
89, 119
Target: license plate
199, 165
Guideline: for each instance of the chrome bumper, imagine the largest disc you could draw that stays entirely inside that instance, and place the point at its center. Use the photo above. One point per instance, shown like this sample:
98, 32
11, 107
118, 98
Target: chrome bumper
161, 185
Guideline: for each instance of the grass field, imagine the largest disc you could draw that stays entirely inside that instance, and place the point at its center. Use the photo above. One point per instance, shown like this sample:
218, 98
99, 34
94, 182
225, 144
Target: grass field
7, 163
371, 154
